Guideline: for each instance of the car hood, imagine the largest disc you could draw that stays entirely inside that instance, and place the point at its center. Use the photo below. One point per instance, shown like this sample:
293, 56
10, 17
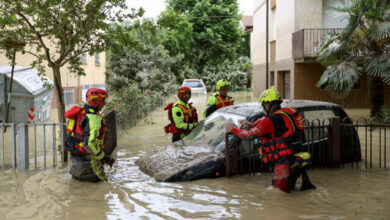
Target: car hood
167, 161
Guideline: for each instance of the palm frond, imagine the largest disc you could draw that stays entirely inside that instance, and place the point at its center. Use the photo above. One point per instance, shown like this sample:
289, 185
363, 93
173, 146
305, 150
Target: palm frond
330, 50
378, 66
340, 78
381, 31
340, 10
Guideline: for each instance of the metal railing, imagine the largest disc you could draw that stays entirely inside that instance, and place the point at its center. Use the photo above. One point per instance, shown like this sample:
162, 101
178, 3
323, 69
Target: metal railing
23, 145
332, 143
306, 41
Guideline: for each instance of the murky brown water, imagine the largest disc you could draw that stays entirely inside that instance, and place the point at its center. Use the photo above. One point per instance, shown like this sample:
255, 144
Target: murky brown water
131, 194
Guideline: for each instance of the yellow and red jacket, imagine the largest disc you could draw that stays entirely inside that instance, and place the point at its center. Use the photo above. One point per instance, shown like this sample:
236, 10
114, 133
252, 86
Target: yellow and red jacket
86, 129
183, 118
276, 133
224, 101
216, 101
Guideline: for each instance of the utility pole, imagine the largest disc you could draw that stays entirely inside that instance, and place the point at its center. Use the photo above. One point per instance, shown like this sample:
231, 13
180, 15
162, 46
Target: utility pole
12, 44
266, 43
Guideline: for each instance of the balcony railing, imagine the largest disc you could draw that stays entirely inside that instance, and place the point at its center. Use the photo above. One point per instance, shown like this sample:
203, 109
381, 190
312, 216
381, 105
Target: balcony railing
306, 41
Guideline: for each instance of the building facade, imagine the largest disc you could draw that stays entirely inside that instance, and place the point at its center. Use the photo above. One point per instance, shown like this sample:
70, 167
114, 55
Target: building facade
74, 86
296, 28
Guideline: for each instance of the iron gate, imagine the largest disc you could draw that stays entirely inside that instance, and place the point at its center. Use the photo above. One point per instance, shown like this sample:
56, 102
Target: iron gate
332, 143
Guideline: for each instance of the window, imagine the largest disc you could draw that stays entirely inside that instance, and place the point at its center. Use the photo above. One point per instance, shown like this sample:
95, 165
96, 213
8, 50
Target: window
286, 85
193, 84
84, 91
272, 78
310, 119
97, 59
69, 96
83, 58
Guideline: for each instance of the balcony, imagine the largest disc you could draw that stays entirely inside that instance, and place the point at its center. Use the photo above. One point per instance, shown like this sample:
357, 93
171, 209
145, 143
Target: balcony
306, 41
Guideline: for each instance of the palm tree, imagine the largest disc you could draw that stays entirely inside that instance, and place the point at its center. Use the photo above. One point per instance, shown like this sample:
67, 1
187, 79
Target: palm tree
363, 47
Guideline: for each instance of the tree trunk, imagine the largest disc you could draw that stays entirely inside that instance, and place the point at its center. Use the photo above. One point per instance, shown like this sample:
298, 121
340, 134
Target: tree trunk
59, 94
60, 102
376, 95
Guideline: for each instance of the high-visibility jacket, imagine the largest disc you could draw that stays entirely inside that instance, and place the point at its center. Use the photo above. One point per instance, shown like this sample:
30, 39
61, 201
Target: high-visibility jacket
183, 118
216, 101
86, 129
276, 133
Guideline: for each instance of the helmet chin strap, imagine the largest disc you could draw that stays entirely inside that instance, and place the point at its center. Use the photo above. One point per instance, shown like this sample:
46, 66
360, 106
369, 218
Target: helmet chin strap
273, 107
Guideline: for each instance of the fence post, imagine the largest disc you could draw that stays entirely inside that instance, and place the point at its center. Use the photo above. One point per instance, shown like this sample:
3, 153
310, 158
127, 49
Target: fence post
227, 156
334, 142
22, 131
13, 145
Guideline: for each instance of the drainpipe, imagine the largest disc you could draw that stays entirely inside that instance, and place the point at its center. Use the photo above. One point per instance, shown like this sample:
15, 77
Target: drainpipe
266, 44
14, 44
10, 87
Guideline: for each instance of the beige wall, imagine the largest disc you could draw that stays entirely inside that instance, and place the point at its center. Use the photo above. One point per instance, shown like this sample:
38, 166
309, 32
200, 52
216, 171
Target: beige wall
309, 74
94, 74
258, 35
308, 14
290, 16
285, 22
258, 47
283, 17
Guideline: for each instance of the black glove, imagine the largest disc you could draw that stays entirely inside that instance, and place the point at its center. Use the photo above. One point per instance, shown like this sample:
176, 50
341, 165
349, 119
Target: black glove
108, 160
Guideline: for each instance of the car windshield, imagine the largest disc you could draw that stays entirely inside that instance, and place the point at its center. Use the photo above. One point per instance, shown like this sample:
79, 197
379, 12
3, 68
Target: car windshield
212, 130
193, 84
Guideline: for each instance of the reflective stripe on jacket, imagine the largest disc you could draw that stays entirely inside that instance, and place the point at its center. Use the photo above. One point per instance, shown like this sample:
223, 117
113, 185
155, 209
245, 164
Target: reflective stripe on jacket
215, 102
94, 128
287, 123
184, 117
276, 133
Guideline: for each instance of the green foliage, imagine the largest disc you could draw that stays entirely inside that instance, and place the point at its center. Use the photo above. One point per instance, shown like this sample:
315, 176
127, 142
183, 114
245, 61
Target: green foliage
236, 74
136, 57
191, 39
383, 115
215, 36
131, 103
57, 32
362, 47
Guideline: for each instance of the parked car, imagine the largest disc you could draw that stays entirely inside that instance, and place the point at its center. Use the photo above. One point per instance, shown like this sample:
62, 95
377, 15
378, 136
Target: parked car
196, 85
201, 153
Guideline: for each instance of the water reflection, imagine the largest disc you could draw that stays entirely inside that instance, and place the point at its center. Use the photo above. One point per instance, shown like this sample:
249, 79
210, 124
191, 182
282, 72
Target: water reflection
131, 194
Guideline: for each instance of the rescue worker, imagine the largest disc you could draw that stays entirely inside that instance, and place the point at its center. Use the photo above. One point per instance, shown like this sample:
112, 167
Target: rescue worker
219, 99
277, 131
85, 140
182, 115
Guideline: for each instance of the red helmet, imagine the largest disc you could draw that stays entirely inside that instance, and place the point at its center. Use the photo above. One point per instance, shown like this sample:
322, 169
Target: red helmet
181, 90
95, 93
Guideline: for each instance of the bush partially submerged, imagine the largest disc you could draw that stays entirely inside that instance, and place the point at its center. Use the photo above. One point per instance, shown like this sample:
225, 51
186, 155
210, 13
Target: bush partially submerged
131, 103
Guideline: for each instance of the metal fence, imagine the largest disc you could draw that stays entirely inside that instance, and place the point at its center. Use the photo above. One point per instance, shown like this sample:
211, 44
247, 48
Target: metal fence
26, 146
333, 143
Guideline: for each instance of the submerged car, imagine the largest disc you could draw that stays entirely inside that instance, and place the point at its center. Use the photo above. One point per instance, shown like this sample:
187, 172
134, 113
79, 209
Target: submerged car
201, 154
196, 85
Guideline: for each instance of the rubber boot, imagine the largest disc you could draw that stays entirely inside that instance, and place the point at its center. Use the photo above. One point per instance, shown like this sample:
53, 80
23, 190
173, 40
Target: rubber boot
306, 183
292, 178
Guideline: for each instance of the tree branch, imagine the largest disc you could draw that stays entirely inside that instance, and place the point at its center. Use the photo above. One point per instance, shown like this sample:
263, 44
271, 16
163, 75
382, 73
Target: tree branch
38, 35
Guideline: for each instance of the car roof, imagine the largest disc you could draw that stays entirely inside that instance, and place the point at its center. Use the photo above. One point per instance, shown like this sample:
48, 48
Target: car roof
252, 108
197, 80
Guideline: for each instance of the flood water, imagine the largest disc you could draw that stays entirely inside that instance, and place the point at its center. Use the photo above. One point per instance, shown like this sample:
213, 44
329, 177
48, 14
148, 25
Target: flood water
130, 194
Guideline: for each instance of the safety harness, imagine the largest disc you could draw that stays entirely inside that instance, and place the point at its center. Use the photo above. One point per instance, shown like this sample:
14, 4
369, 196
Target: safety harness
76, 133
223, 102
189, 114
275, 148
